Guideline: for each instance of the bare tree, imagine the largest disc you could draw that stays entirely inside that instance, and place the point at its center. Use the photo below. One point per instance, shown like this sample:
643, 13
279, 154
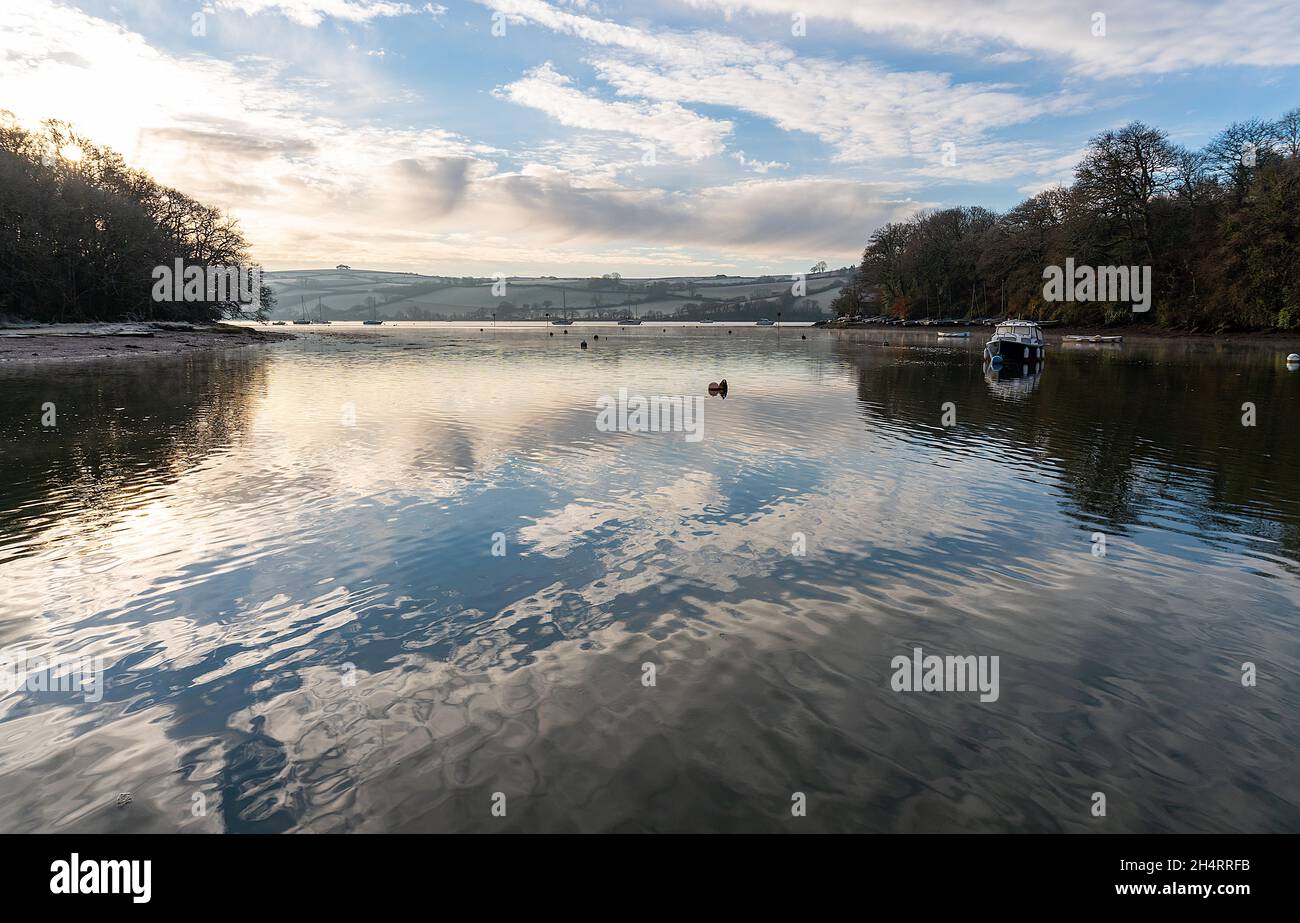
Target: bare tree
1239, 150
1193, 178
1122, 171
1286, 134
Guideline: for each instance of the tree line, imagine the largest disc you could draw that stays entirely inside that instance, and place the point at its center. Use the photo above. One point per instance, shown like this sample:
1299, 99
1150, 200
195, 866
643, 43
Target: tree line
81, 234
1219, 227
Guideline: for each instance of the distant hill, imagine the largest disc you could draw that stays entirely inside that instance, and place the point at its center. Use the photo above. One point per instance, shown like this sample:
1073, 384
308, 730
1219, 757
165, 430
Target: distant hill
357, 294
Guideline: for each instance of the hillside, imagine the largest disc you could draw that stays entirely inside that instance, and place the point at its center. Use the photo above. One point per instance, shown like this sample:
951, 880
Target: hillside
356, 294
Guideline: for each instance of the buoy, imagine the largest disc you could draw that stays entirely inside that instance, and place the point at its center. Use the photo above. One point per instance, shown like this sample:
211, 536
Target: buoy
595, 336
803, 336
1294, 357
550, 333
718, 387
583, 344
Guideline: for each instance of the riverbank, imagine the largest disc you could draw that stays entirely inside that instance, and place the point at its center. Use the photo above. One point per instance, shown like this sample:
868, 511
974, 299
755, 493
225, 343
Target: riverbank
64, 342
1131, 332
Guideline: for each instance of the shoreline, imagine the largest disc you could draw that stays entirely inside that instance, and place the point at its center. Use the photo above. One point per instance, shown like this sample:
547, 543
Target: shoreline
79, 342
1143, 332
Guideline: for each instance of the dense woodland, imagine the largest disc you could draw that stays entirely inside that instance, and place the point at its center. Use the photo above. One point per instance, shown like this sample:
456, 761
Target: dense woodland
81, 232
1220, 228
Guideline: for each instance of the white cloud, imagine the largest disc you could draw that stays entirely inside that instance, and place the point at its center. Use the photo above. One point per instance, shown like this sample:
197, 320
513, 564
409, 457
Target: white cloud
1009, 57
862, 110
758, 166
665, 124
1041, 166
1157, 36
313, 12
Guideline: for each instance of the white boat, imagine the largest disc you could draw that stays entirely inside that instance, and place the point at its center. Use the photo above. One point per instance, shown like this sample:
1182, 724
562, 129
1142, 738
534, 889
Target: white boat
1093, 339
764, 322
1016, 341
953, 336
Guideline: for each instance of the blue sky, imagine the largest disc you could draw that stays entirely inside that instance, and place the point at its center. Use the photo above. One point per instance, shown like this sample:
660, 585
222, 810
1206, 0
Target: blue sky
683, 137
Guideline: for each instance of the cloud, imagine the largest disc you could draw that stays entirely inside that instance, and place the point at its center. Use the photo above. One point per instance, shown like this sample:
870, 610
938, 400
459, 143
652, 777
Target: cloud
862, 110
1160, 37
313, 12
236, 134
665, 124
225, 137
307, 186
434, 186
266, 137
1041, 166
758, 166
787, 216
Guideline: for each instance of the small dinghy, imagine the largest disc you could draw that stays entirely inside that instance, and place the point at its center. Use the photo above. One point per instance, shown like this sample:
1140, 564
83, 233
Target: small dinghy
1080, 339
953, 336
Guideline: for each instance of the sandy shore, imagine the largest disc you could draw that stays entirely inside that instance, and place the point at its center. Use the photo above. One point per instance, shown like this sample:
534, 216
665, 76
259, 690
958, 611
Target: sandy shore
50, 342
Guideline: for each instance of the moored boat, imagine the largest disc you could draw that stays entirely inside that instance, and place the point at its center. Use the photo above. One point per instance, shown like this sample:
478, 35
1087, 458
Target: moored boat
764, 322
1016, 341
1093, 339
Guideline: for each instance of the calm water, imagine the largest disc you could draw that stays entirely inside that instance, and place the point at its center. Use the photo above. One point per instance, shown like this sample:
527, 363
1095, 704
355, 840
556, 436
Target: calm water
284, 557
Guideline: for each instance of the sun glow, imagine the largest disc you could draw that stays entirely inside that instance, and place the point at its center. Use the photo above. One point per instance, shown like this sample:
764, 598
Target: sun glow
71, 153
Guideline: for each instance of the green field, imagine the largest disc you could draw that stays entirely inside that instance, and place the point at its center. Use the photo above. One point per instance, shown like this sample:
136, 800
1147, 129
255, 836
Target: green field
348, 295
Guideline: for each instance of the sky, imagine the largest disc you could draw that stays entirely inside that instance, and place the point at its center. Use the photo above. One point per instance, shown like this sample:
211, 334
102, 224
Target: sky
580, 137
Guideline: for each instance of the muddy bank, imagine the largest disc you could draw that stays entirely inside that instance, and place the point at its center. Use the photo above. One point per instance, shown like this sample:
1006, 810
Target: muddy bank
60, 342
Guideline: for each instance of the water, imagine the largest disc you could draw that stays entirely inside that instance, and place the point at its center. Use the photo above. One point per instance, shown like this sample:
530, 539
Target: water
284, 557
